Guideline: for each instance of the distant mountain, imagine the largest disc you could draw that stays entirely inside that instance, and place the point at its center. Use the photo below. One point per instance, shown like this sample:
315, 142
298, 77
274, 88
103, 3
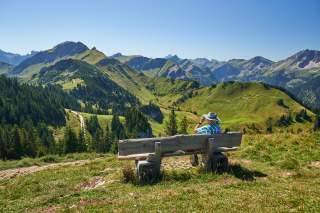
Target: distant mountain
5, 68
14, 59
173, 58
299, 73
65, 49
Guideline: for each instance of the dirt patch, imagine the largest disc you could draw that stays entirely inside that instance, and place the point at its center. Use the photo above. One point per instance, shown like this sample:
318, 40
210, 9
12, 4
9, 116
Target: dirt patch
50, 209
11, 173
315, 164
83, 203
92, 183
287, 174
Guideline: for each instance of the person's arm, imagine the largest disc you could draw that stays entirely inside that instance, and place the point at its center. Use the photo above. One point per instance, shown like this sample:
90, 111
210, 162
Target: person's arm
198, 124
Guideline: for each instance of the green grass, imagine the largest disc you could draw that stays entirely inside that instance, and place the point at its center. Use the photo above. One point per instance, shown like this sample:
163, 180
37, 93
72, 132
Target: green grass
69, 85
90, 56
72, 121
251, 184
240, 104
131, 81
26, 162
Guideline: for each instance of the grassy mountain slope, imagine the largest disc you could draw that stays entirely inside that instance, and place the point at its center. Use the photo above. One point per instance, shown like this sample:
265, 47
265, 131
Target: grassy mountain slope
241, 103
129, 79
85, 82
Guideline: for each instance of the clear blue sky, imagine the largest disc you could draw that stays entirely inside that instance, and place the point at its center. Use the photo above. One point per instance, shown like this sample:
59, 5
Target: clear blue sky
222, 29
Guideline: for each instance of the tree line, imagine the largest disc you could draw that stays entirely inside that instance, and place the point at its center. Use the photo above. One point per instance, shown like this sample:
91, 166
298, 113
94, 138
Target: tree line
106, 140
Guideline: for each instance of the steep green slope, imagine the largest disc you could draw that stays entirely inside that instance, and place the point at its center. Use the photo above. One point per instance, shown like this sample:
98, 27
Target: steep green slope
240, 104
91, 56
129, 79
85, 82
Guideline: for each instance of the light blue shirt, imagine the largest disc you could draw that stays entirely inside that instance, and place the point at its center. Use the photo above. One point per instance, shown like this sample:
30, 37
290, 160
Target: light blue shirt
209, 129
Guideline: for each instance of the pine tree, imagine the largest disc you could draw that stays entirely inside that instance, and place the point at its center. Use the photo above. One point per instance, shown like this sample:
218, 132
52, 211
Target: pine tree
30, 147
107, 140
117, 128
70, 141
184, 125
15, 148
136, 124
171, 125
82, 146
3, 144
93, 125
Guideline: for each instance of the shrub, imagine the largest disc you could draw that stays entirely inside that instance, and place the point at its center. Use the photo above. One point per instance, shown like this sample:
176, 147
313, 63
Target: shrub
49, 159
128, 174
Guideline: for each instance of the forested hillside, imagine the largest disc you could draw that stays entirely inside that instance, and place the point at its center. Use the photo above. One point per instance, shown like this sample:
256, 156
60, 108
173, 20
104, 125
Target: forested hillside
26, 112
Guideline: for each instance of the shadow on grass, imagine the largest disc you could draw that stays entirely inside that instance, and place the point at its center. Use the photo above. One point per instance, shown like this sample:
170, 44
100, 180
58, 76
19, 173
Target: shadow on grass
243, 173
174, 175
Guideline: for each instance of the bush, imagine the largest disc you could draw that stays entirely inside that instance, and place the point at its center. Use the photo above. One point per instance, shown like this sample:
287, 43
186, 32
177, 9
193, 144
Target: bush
128, 174
25, 162
49, 159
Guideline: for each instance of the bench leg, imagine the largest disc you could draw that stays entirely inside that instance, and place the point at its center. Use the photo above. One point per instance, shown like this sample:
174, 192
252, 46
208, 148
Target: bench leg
217, 163
148, 171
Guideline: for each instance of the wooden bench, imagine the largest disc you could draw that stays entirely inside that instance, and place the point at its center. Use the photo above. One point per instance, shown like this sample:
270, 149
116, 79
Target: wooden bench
147, 152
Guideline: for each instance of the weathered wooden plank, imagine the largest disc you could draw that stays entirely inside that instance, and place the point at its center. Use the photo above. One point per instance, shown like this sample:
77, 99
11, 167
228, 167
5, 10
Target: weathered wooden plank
169, 144
185, 143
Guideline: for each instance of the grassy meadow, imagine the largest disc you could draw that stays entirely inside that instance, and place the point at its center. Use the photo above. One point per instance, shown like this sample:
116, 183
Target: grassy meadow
269, 173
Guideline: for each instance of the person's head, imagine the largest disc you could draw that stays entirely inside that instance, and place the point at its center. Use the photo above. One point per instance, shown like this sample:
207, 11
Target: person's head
212, 118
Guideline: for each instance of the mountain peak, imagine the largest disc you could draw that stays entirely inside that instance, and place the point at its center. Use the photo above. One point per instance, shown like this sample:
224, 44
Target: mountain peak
305, 58
71, 46
116, 55
259, 59
173, 58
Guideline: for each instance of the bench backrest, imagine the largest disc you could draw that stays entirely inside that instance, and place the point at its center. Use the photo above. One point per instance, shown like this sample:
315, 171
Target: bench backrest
186, 143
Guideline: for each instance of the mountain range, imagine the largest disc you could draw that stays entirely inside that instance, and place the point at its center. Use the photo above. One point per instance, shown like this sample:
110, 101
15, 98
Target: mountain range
299, 74
74, 66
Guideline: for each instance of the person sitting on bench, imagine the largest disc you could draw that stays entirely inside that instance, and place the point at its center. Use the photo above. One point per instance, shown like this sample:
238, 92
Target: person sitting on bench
211, 128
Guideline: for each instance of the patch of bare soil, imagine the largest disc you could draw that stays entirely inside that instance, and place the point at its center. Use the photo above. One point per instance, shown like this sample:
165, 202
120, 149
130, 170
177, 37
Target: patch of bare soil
50, 209
83, 203
287, 174
92, 183
315, 164
11, 173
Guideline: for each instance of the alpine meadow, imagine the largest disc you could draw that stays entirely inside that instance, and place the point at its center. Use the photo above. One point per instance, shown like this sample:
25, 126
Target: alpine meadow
139, 106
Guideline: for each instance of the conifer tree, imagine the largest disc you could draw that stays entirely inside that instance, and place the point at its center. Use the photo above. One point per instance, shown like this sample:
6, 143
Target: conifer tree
171, 124
107, 139
117, 127
184, 126
82, 146
70, 141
